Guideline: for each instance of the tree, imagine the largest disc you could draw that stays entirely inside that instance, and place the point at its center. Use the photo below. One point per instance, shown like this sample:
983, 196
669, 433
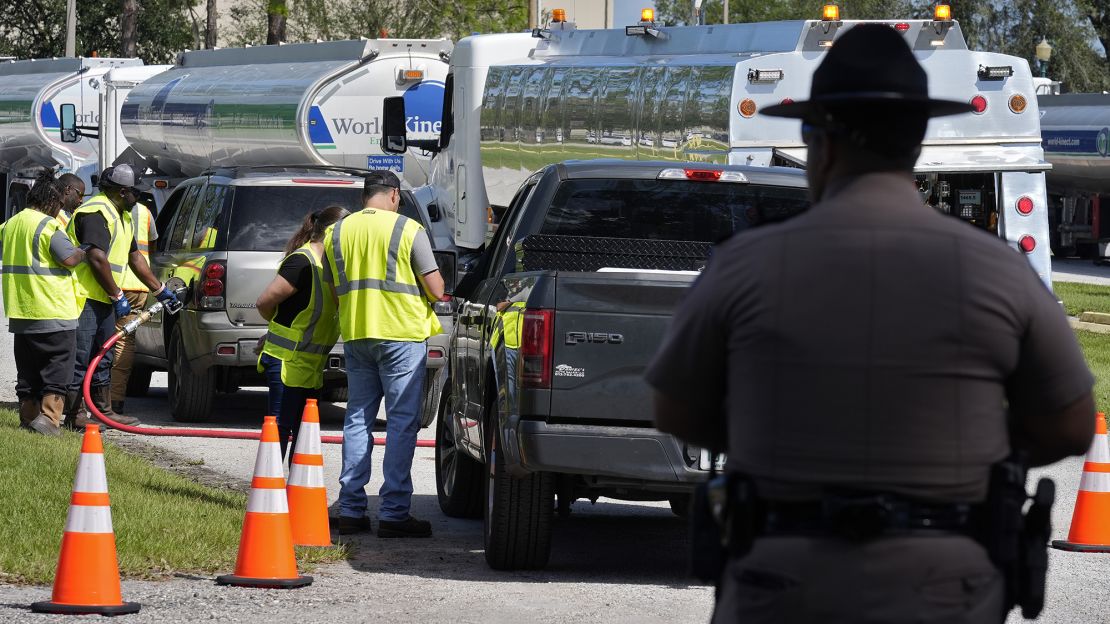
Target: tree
33, 28
276, 14
128, 21
1098, 14
212, 16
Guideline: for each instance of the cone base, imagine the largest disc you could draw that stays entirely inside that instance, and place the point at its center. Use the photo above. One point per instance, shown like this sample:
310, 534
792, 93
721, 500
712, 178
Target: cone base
271, 583
68, 609
1073, 547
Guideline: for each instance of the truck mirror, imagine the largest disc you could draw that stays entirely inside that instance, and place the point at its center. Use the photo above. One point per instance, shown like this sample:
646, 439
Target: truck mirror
394, 134
433, 213
69, 124
448, 262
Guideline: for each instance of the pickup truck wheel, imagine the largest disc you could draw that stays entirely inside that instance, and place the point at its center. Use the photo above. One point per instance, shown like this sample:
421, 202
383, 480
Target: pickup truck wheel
139, 382
518, 515
458, 477
190, 395
428, 411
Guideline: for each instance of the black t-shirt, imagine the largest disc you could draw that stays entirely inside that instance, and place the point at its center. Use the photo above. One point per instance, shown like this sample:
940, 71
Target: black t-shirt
297, 271
92, 229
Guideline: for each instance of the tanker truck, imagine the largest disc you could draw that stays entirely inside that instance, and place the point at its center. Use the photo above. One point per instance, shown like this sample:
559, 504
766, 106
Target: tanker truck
1075, 129
32, 95
306, 104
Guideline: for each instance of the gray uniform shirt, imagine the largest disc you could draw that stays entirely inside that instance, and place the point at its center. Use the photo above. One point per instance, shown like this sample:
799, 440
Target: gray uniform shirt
871, 342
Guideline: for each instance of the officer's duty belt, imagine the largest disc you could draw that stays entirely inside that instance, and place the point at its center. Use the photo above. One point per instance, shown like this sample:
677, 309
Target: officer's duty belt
864, 517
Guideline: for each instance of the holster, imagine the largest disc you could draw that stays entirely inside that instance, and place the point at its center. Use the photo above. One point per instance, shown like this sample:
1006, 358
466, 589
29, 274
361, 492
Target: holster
724, 520
1015, 538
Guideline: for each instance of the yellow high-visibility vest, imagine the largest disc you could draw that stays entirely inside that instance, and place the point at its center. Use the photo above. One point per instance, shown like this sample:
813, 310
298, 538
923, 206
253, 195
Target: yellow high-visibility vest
303, 347
36, 286
119, 227
143, 224
370, 261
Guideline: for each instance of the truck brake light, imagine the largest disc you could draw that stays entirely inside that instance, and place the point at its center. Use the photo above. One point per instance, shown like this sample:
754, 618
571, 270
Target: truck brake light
702, 175
1027, 243
979, 104
1025, 205
536, 340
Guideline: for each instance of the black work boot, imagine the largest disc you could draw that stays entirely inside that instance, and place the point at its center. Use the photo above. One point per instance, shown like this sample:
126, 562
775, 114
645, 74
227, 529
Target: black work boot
347, 525
409, 527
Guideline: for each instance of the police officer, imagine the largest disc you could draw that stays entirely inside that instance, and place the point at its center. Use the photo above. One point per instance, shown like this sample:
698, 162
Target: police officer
385, 275
142, 222
42, 304
303, 327
102, 226
864, 365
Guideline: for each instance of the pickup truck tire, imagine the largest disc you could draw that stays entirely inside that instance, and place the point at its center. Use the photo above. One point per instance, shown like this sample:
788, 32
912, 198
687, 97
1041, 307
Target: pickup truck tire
139, 382
458, 477
518, 515
190, 395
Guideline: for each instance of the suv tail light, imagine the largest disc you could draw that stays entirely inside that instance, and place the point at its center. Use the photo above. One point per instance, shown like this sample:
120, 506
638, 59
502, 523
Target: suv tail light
536, 348
212, 287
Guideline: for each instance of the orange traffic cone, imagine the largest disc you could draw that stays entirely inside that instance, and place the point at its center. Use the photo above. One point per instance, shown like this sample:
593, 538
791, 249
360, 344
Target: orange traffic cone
308, 498
266, 556
1090, 522
87, 580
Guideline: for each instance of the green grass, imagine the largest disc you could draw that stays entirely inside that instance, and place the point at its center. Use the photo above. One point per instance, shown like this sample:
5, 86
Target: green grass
164, 523
1080, 298
1097, 349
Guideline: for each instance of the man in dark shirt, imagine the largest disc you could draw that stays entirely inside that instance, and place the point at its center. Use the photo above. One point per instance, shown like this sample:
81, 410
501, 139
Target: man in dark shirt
869, 346
102, 227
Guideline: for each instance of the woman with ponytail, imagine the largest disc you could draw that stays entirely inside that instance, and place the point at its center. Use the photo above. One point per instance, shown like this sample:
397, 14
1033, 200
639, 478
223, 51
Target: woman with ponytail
304, 325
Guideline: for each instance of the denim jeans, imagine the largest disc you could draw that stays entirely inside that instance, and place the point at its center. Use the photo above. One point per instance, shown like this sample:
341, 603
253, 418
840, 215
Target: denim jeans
286, 402
378, 369
95, 326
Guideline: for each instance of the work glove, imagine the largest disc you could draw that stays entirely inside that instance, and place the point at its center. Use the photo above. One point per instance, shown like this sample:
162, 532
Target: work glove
166, 296
122, 306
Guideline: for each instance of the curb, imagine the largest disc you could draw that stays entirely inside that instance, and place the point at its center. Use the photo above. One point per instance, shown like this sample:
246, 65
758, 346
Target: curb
1095, 317
1097, 328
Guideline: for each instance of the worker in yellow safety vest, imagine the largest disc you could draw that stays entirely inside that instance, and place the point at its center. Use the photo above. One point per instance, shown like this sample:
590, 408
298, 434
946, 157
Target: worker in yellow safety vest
42, 303
303, 327
136, 292
102, 226
385, 277
73, 193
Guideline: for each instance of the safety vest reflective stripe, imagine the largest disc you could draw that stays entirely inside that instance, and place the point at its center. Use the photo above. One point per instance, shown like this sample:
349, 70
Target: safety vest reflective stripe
389, 284
302, 347
142, 223
267, 500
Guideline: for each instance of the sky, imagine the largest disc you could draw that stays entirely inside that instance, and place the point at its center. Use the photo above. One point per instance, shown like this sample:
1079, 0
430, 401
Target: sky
627, 12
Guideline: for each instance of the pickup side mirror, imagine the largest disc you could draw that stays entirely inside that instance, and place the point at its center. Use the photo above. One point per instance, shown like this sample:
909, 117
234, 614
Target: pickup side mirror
433, 213
448, 261
69, 124
395, 134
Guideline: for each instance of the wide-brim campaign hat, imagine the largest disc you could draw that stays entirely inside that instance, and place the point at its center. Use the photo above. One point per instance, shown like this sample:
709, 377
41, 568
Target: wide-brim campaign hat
868, 67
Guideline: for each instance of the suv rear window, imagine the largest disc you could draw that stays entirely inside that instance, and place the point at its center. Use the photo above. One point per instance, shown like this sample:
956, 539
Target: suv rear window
677, 210
264, 217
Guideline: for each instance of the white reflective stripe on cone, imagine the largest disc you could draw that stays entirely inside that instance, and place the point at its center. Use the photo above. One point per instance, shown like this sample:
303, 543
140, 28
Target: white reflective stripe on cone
86, 519
90, 474
1099, 452
267, 500
1095, 482
307, 476
268, 461
308, 440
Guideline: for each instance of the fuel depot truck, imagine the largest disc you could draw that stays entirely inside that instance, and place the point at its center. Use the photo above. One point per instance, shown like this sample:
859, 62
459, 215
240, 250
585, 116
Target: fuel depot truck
571, 295
1075, 128
34, 94
305, 104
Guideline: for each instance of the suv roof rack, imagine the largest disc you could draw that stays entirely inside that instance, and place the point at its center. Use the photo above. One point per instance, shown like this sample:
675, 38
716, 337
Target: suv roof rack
242, 171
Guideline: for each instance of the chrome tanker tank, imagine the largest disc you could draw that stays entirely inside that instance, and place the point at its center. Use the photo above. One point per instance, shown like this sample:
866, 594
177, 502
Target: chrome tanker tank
297, 104
1075, 130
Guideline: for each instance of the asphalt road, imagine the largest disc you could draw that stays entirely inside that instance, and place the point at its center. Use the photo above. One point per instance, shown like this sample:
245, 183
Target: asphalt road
611, 562
1085, 271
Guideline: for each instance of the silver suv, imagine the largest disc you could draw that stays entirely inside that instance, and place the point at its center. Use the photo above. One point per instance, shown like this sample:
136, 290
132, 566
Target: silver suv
223, 234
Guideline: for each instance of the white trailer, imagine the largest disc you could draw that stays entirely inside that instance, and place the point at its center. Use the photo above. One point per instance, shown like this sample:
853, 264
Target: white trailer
297, 104
517, 102
32, 93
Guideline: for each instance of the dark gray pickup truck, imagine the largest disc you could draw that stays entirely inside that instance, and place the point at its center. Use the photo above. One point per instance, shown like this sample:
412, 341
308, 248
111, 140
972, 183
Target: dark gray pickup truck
554, 328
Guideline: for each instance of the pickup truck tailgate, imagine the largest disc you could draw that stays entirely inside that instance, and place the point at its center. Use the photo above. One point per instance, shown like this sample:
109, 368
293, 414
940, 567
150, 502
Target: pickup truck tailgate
608, 326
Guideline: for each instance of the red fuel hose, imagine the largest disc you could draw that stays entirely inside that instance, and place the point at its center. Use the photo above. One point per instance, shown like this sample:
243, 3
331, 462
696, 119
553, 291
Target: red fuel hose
183, 433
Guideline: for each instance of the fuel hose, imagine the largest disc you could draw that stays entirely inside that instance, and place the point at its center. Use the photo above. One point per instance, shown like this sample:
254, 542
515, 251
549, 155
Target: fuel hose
174, 431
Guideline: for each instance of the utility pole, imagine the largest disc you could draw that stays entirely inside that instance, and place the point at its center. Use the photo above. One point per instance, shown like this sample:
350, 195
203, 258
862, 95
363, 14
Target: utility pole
533, 13
71, 28
726, 12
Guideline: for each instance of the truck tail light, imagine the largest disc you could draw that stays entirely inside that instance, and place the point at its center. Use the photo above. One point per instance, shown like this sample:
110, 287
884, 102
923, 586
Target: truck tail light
702, 175
210, 295
979, 104
1027, 243
1025, 205
537, 338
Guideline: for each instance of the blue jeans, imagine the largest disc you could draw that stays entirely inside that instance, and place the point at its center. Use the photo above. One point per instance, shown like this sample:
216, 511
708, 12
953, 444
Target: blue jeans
378, 369
95, 326
286, 402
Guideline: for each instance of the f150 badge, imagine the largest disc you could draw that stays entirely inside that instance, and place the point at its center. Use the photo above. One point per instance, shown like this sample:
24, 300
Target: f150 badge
574, 338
